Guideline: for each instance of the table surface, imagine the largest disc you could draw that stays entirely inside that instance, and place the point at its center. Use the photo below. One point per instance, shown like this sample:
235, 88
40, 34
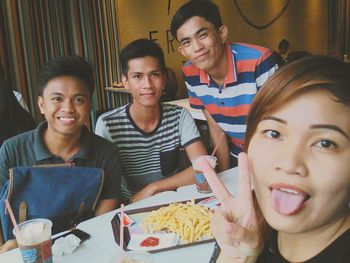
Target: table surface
102, 248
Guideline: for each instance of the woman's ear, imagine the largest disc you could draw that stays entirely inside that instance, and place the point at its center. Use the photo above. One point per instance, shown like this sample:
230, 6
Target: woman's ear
223, 32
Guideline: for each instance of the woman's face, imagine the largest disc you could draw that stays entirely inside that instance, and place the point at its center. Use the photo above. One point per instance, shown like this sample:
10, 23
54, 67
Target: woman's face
300, 162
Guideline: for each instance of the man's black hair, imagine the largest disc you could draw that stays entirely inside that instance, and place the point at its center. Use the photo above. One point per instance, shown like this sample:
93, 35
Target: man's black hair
141, 48
205, 9
74, 66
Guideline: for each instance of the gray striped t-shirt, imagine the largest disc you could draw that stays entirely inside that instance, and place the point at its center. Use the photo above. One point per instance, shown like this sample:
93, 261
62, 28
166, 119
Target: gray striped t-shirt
147, 157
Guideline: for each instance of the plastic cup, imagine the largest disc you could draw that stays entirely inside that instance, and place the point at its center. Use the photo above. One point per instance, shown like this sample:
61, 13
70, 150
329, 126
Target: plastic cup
201, 183
34, 240
137, 257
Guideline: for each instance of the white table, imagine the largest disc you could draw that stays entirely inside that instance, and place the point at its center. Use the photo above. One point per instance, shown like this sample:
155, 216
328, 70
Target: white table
101, 247
196, 114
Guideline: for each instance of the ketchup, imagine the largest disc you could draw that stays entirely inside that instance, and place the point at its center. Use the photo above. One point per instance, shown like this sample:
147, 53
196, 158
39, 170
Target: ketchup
125, 221
150, 242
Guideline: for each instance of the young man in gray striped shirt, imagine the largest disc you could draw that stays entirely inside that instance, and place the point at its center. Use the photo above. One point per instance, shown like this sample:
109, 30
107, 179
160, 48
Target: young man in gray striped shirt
149, 134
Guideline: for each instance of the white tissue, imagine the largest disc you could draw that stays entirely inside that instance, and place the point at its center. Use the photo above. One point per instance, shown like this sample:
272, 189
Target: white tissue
65, 245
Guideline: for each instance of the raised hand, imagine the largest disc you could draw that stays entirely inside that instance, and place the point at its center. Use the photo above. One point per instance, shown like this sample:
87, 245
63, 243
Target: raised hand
235, 224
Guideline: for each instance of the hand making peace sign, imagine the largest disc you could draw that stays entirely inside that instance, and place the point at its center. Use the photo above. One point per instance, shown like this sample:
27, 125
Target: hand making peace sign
235, 224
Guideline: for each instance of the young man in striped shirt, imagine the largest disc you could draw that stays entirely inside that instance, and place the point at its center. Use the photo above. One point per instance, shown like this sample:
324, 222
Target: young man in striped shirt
222, 79
149, 134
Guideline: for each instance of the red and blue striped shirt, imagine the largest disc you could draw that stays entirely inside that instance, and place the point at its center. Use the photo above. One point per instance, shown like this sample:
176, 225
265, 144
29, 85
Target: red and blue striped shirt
249, 66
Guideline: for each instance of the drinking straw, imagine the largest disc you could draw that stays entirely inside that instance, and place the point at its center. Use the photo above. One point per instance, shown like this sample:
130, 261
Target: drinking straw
9, 209
121, 232
217, 145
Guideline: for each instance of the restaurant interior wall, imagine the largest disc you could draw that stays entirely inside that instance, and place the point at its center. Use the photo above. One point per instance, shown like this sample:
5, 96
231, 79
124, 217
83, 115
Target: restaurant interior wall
32, 32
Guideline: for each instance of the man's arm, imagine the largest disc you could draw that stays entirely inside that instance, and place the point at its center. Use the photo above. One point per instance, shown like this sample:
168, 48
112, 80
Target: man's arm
106, 205
182, 178
8, 245
222, 151
265, 68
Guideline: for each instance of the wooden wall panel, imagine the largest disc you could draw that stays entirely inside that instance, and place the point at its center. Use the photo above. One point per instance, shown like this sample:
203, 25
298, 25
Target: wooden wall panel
35, 31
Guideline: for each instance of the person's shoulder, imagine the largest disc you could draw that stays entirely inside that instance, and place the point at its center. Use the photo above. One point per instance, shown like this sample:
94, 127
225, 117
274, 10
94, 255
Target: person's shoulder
245, 49
172, 108
190, 70
27, 137
98, 140
112, 114
99, 143
19, 146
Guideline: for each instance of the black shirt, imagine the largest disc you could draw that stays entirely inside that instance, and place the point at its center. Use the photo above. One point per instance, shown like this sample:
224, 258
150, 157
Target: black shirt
337, 252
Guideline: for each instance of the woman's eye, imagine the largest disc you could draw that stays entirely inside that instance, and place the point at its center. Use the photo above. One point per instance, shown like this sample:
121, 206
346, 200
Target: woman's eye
326, 144
272, 134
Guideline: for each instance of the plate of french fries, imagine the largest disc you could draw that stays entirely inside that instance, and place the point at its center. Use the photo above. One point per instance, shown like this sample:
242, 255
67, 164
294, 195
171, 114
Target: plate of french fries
188, 221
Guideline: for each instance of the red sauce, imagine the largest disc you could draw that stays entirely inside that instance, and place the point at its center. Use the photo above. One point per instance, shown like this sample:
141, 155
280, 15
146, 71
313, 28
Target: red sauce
126, 221
150, 242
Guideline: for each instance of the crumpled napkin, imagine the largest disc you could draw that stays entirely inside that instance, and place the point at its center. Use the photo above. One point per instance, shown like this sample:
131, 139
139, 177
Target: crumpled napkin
65, 245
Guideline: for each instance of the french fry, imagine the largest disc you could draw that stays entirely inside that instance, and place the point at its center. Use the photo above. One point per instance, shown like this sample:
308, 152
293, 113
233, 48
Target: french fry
190, 221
